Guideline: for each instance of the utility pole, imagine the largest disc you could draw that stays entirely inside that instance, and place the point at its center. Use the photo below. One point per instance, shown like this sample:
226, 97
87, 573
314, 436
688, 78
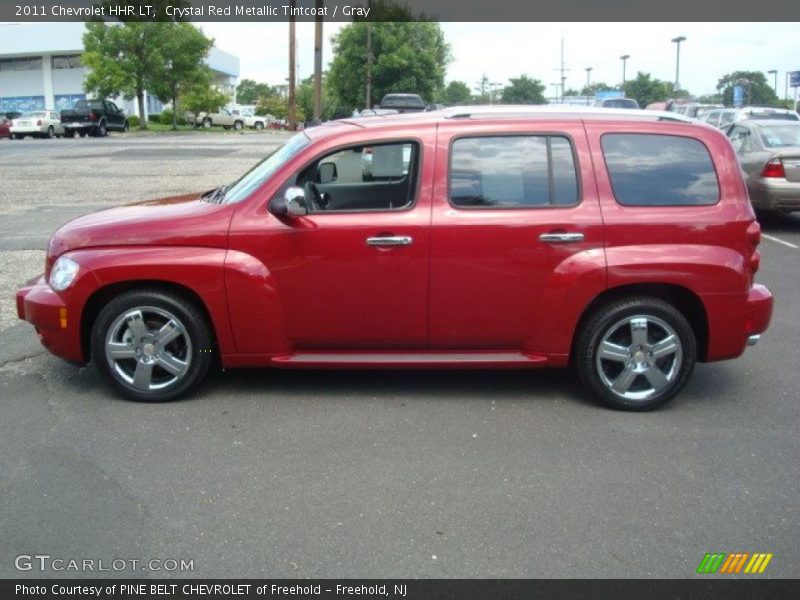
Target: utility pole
678, 41
624, 58
368, 103
318, 63
292, 116
775, 73
563, 77
588, 76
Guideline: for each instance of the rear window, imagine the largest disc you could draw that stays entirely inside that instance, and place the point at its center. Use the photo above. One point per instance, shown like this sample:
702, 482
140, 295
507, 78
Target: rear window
620, 103
776, 116
781, 136
535, 171
659, 170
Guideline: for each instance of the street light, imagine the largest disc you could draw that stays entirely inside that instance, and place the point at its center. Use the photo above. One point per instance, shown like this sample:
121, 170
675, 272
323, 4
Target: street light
588, 76
678, 41
775, 73
555, 85
624, 58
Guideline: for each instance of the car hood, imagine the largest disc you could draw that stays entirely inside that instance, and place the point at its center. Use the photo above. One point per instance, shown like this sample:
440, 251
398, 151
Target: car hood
175, 221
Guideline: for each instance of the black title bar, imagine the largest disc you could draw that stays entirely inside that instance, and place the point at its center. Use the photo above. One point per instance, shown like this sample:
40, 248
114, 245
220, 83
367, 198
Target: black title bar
438, 10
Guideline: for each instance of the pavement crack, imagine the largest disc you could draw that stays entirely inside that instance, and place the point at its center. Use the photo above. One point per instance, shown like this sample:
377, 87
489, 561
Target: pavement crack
21, 359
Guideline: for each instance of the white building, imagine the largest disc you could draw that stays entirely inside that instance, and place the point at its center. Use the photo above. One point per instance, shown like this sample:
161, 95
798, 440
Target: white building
40, 68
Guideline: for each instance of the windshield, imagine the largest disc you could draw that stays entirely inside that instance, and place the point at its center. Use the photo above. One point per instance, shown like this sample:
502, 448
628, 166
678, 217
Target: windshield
264, 170
779, 136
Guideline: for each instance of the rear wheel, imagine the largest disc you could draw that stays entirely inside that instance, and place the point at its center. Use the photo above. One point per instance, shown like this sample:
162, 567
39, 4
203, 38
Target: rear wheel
238, 125
82, 133
636, 354
207, 123
19, 136
151, 346
70, 133
51, 133
100, 130
259, 126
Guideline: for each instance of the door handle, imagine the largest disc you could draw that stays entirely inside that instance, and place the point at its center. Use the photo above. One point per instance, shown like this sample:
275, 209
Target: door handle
390, 240
561, 238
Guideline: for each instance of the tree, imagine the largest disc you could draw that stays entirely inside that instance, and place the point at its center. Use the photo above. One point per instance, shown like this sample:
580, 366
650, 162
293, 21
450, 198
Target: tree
456, 92
756, 88
185, 47
407, 57
273, 105
123, 59
591, 90
646, 90
524, 90
249, 91
201, 95
305, 99
482, 90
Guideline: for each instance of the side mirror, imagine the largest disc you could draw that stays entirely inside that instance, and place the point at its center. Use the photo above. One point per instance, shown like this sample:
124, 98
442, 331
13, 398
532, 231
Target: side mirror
327, 172
293, 204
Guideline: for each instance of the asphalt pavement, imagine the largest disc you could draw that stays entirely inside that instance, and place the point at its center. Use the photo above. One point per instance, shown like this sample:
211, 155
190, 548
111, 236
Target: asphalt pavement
373, 474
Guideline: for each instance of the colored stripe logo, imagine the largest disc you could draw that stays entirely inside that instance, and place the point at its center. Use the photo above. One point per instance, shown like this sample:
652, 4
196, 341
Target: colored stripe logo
734, 563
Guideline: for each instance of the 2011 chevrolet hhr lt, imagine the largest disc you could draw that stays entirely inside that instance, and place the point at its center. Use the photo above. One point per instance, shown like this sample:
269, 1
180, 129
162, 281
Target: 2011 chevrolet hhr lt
619, 242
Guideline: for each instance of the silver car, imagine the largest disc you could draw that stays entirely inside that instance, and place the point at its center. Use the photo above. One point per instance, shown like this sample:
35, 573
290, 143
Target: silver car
769, 153
37, 123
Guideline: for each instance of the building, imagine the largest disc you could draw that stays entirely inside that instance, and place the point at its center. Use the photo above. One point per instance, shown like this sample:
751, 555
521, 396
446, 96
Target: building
40, 68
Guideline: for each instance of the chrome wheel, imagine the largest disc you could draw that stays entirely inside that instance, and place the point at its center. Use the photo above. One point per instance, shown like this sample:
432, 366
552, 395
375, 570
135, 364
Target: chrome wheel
148, 348
638, 357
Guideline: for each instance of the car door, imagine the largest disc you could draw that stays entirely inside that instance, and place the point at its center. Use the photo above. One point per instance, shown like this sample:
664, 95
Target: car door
516, 236
350, 275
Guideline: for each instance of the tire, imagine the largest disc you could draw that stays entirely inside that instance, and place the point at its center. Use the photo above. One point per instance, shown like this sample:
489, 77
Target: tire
19, 136
82, 133
100, 130
126, 127
150, 370
238, 125
226, 127
258, 126
207, 123
51, 133
69, 133
635, 354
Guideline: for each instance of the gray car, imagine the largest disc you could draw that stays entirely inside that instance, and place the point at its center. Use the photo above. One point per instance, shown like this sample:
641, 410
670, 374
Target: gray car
769, 153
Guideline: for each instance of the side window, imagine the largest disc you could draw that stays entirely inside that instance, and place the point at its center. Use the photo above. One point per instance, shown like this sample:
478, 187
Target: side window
739, 137
366, 177
532, 171
659, 170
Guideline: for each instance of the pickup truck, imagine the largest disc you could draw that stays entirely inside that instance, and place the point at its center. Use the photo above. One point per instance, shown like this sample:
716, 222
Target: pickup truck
93, 117
224, 118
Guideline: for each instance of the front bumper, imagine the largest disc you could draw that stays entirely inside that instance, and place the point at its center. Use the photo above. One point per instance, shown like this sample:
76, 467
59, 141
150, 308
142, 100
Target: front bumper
58, 328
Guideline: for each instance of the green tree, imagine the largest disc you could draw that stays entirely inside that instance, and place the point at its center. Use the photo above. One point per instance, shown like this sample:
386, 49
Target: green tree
249, 91
481, 90
456, 92
646, 90
592, 89
124, 59
757, 89
185, 47
524, 90
407, 57
276, 106
201, 95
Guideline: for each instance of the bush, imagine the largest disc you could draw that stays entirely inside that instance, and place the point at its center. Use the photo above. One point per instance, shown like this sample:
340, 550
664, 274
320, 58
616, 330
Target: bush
133, 121
154, 118
166, 118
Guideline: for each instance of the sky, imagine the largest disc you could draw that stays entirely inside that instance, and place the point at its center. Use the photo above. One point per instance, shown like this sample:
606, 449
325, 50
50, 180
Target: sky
504, 50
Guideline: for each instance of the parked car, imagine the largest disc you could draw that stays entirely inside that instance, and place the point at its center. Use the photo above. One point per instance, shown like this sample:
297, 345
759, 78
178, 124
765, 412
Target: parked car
5, 128
696, 110
223, 118
613, 241
617, 103
93, 117
765, 113
769, 153
403, 103
719, 117
11, 114
37, 123
252, 120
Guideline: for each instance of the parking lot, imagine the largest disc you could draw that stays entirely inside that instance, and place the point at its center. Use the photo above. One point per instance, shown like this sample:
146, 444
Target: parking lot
374, 474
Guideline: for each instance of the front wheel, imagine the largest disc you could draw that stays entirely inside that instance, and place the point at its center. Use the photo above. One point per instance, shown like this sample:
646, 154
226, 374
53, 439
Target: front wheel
636, 354
151, 346
238, 125
207, 123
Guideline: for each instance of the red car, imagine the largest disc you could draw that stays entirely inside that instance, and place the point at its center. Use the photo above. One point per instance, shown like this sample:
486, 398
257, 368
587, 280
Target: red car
610, 240
5, 128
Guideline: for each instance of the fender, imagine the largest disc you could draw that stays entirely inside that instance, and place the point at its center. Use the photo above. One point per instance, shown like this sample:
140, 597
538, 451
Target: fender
567, 292
197, 268
700, 268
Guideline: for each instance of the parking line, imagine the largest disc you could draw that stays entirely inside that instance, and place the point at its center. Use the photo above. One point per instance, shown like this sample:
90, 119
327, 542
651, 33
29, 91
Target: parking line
780, 241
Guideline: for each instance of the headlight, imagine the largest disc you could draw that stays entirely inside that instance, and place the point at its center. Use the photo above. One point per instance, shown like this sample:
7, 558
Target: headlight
63, 273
